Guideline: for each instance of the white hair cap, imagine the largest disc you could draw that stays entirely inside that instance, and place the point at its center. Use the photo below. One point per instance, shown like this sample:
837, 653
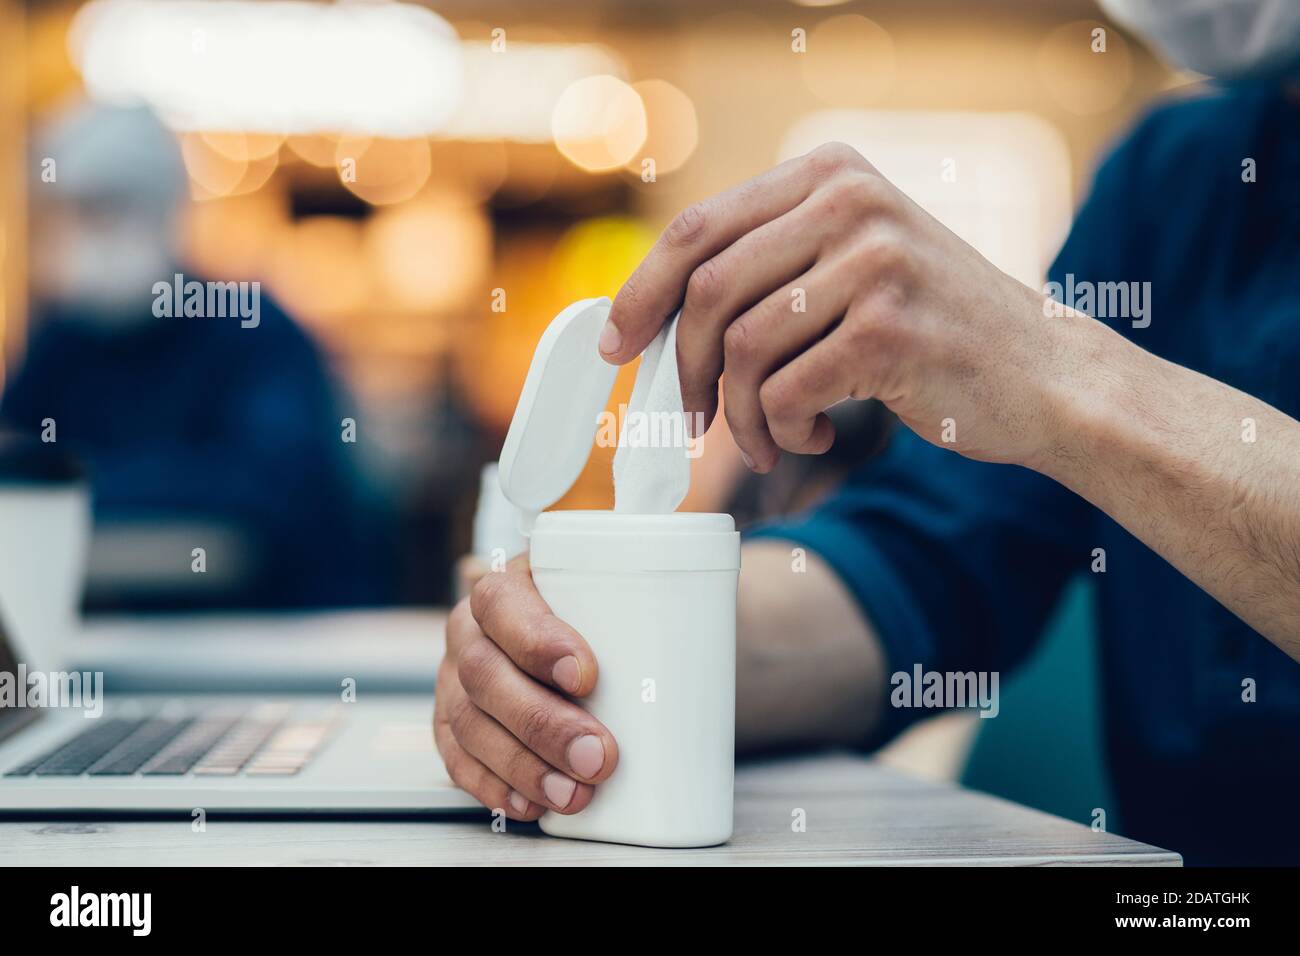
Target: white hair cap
112, 154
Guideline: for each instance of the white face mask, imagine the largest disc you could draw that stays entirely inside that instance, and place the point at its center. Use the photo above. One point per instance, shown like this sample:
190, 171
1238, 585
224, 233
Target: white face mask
1228, 39
105, 271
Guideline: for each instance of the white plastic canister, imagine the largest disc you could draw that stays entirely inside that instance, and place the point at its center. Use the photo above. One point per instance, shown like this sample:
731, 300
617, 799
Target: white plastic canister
654, 596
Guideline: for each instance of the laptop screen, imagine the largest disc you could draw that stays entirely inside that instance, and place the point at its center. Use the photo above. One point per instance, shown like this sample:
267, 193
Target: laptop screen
13, 692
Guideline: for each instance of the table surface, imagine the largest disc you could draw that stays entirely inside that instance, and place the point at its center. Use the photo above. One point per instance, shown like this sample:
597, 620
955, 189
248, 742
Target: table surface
855, 812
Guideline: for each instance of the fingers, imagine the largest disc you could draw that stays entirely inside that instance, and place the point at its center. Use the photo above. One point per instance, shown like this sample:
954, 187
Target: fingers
468, 772
501, 752
508, 740
461, 628
723, 287
700, 232
759, 342
555, 729
509, 610
794, 399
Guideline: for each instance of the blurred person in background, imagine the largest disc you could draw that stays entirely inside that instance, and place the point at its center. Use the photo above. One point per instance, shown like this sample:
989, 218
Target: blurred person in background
1159, 450
197, 432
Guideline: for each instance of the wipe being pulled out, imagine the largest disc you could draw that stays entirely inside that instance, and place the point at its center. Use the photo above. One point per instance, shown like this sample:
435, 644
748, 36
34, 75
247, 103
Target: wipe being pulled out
565, 396
652, 467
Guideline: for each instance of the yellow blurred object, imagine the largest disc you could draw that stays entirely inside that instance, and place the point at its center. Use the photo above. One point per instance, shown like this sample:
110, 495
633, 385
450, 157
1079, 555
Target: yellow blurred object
535, 278
383, 171
595, 257
599, 123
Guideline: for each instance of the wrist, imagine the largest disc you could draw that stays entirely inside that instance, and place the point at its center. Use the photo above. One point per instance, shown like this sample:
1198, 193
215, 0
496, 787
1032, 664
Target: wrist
1085, 399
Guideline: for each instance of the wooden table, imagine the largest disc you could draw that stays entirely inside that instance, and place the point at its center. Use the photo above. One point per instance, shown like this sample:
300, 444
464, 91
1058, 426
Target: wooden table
855, 813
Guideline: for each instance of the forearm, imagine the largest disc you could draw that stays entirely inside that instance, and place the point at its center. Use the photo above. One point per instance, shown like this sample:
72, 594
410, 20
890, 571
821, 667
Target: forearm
808, 667
1203, 474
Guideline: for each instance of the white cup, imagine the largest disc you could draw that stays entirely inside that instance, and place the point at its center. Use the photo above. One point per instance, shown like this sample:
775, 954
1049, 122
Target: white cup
44, 537
655, 597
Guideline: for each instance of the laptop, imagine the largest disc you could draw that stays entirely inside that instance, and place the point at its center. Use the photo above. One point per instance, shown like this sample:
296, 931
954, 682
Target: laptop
99, 754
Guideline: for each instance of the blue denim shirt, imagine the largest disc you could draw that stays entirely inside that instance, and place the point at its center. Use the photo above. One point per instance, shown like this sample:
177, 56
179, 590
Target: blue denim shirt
202, 419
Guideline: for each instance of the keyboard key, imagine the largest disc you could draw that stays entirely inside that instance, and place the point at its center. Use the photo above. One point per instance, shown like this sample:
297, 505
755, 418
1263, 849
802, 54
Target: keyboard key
132, 754
180, 756
259, 743
236, 748
258, 771
75, 756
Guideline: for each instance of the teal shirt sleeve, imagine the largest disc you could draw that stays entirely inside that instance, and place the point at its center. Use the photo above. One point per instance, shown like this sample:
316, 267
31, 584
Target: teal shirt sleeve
955, 563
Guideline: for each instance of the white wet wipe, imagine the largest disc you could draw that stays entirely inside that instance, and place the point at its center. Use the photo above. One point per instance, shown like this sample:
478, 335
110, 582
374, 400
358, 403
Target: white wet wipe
652, 468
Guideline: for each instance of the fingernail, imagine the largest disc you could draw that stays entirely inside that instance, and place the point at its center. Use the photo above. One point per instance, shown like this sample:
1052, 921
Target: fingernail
558, 789
518, 801
587, 755
610, 339
567, 673
749, 462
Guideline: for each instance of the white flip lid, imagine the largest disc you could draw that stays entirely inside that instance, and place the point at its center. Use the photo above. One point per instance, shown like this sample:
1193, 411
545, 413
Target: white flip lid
567, 387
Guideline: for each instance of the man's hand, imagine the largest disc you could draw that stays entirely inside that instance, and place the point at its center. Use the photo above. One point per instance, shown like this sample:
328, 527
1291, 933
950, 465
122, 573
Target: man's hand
506, 733
896, 307
819, 281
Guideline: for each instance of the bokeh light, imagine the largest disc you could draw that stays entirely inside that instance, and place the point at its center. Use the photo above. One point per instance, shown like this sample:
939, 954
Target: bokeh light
317, 149
243, 146
470, 173
228, 164
429, 254
321, 271
257, 174
212, 174
383, 171
510, 93
235, 236
389, 69
531, 171
672, 129
849, 39
599, 123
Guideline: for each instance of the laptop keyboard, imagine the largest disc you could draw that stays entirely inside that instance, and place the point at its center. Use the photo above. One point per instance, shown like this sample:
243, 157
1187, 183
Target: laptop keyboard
261, 742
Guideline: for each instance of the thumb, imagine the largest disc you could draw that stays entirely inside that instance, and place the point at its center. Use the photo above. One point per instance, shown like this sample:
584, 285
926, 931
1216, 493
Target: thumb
634, 322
